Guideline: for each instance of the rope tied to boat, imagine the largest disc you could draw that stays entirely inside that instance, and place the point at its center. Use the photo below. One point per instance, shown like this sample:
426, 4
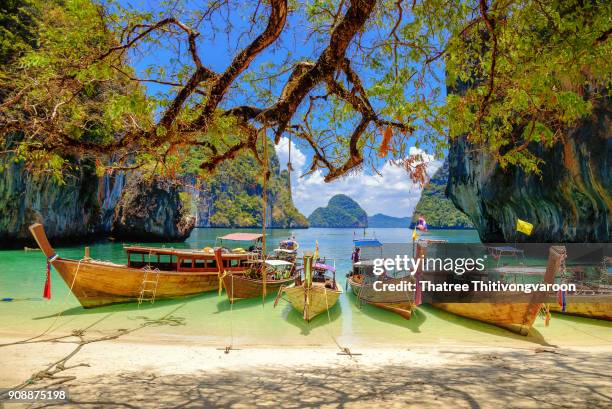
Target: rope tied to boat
230, 347
344, 350
59, 314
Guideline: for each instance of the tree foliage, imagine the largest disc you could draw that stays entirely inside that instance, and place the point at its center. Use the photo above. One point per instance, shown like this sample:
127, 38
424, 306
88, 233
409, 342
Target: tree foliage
357, 82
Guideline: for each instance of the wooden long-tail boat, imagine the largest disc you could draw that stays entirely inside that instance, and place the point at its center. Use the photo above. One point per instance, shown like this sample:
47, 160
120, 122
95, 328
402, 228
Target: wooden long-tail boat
590, 300
316, 293
597, 305
177, 272
251, 284
517, 317
399, 302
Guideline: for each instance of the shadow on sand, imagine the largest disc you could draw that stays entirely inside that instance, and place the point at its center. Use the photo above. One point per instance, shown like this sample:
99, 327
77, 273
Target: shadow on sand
518, 379
127, 307
244, 303
534, 335
574, 319
295, 318
413, 324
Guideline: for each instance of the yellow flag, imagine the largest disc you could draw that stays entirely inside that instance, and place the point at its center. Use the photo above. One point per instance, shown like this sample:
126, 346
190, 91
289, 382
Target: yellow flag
524, 227
414, 234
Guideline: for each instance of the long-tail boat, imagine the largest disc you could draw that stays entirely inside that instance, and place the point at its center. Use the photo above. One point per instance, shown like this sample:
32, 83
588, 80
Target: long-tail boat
170, 273
317, 292
518, 316
261, 277
361, 282
251, 284
596, 305
592, 298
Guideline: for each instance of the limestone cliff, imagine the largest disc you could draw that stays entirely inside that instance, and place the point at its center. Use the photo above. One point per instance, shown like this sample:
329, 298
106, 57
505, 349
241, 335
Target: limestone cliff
570, 202
86, 206
77, 208
151, 209
439, 211
232, 197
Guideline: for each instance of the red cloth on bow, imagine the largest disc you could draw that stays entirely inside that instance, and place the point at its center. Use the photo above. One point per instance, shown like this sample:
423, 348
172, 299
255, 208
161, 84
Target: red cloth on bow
47, 290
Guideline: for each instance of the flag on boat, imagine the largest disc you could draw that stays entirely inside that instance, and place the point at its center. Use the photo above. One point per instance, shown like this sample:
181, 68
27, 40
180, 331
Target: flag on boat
414, 234
316, 253
524, 227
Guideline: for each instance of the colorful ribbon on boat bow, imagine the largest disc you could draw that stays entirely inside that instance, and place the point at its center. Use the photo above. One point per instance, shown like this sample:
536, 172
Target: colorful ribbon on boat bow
561, 299
47, 289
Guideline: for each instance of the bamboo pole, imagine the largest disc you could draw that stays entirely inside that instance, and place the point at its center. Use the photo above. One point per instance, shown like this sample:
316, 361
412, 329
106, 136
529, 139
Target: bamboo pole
264, 214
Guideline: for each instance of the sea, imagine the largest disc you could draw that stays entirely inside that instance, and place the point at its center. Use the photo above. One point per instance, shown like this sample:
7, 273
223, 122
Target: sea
209, 319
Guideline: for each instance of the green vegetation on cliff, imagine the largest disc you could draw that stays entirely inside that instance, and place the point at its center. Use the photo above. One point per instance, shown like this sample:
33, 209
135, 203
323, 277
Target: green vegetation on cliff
341, 211
438, 210
232, 196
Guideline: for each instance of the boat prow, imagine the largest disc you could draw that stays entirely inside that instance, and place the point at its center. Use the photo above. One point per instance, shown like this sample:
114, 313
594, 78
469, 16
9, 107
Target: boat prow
312, 301
38, 231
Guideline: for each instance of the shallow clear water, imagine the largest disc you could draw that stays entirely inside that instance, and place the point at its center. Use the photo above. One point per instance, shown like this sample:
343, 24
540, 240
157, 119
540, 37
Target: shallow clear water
210, 319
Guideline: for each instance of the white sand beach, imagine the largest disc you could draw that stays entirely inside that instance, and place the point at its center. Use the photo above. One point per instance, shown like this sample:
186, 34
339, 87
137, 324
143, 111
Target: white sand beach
120, 373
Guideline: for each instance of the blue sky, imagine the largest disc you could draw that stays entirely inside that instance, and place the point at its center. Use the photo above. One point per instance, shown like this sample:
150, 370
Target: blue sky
392, 193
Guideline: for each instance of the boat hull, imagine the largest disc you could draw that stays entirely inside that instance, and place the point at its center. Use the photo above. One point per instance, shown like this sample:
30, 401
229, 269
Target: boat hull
516, 317
588, 306
380, 299
312, 301
239, 287
96, 284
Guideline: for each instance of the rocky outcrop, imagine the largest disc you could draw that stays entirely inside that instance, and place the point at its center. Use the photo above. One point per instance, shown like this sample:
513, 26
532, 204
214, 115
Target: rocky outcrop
84, 206
152, 209
69, 209
570, 202
341, 211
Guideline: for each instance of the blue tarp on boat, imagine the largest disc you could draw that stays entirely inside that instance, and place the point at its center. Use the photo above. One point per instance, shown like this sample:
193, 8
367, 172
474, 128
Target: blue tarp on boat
367, 243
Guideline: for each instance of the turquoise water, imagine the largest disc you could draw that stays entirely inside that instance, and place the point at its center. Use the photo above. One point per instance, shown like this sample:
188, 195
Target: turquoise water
209, 318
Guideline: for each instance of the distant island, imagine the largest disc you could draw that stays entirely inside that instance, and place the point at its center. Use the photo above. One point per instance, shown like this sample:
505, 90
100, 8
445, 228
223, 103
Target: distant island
382, 220
437, 209
341, 211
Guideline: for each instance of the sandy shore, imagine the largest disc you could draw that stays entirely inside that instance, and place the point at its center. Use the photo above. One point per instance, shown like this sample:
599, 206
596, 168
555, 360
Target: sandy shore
121, 373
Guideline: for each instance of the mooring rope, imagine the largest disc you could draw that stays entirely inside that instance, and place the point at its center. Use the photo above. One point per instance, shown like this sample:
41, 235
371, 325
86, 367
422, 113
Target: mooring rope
59, 314
344, 350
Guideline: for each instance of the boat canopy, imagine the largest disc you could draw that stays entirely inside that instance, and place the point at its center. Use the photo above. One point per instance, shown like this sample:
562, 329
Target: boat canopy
242, 236
321, 266
279, 250
367, 243
278, 263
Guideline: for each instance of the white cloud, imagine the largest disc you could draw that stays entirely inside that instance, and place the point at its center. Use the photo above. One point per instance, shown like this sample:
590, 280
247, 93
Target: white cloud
393, 193
298, 159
